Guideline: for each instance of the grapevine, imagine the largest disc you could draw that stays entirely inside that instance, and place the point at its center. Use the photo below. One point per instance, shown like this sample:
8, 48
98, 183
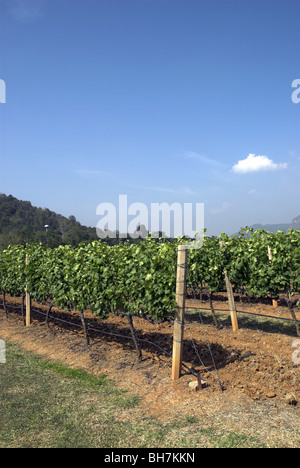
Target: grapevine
140, 279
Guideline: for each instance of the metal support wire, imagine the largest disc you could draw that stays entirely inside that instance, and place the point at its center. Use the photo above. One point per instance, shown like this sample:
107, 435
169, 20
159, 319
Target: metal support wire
117, 335
190, 370
244, 312
207, 342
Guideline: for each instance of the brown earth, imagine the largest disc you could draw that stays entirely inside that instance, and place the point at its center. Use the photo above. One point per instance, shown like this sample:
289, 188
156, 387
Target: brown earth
252, 384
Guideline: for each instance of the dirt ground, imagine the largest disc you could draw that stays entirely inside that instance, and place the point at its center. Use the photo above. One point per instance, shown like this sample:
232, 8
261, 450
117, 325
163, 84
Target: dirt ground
252, 383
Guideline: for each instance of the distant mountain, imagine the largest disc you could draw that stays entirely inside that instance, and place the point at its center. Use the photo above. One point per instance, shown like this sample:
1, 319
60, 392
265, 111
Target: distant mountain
294, 224
20, 222
271, 227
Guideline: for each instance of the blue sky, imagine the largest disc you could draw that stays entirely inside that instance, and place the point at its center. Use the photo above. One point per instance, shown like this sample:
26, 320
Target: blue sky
164, 101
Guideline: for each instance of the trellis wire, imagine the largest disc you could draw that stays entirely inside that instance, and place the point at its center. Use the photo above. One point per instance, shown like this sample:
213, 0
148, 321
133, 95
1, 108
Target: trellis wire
207, 342
117, 335
243, 312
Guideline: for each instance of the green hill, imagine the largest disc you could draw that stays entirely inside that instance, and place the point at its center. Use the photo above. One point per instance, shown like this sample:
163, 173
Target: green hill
20, 222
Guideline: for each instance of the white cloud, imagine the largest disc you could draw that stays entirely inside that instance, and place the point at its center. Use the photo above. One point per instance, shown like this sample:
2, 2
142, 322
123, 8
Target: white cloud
26, 11
251, 192
189, 191
199, 157
90, 173
154, 189
225, 207
181, 191
257, 163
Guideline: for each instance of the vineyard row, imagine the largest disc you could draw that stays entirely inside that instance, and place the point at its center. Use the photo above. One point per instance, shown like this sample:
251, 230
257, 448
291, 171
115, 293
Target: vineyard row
140, 279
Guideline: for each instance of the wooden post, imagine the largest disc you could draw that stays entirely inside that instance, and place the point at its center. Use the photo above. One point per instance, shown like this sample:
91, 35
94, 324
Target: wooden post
275, 303
28, 309
28, 303
233, 314
179, 313
85, 330
4, 305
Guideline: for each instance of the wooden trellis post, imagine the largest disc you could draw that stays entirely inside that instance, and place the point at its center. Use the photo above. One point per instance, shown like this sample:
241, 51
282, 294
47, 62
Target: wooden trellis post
233, 314
180, 311
232, 308
275, 303
27, 303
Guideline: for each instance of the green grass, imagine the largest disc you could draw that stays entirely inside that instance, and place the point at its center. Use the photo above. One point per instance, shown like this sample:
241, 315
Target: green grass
50, 405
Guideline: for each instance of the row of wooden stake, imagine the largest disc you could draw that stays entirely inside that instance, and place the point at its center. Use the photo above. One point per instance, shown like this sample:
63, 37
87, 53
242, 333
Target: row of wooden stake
179, 313
27, 303
180, 310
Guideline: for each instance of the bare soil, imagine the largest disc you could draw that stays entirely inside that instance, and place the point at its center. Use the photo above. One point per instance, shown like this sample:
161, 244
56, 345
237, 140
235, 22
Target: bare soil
252, 384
